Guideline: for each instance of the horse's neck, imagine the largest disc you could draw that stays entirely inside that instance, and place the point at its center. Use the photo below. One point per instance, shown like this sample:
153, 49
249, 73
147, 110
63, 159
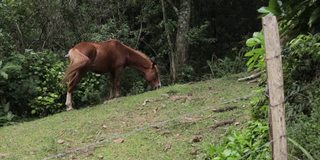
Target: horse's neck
138, 61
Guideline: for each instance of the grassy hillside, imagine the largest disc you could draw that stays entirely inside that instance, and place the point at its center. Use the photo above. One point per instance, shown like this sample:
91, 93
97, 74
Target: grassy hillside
174, 122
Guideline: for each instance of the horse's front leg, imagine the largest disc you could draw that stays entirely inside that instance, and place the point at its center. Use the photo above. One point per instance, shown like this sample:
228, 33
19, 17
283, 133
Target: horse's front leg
69, 101
116, 78
112, 90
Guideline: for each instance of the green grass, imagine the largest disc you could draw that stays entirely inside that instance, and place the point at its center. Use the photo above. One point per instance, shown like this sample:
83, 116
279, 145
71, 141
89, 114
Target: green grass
161, 129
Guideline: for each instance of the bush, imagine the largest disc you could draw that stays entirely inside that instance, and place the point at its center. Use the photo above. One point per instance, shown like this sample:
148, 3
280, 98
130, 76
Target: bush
306, 131
132, 82
302, 71
111, 30
37, 90
259, 106
5, 69
256, 56
92, 89
302, 58
251, 143
222, 67
186, 74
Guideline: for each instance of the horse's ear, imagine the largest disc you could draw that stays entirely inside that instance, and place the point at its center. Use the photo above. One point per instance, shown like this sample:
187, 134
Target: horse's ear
153, 61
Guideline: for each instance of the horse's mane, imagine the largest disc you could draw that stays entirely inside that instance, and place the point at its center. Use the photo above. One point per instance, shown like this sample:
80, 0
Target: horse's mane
135, 53
143, 55
140, 54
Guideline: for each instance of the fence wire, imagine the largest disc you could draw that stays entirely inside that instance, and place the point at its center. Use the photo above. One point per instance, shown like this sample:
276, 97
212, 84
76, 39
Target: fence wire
140, 129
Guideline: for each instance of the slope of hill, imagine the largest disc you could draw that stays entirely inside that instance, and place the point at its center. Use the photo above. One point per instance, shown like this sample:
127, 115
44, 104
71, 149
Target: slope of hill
174, 122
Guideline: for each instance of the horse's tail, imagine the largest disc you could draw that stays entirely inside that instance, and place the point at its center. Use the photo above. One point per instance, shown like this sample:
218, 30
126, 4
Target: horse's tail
77, 62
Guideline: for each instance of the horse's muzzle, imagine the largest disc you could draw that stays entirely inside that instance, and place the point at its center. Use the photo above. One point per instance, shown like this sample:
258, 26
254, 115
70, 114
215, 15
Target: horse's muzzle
153, 87
158, 86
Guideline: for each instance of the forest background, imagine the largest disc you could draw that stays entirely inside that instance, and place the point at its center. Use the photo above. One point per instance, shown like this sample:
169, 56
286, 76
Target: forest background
191, 40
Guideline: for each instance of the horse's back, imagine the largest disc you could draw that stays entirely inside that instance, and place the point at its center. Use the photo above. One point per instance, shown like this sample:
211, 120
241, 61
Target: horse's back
86, 48
105, 56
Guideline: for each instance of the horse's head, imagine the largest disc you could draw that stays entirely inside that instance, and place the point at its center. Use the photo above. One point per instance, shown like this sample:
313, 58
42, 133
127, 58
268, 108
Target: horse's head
152, 76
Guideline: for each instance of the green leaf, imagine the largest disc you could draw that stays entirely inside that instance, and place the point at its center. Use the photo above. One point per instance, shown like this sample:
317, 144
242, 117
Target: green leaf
274, 7
10, 116
259, 51
251, 42
6, 107
264, 10
11, 66
314, 17
304, 151
227, 153
4, 75
258, 35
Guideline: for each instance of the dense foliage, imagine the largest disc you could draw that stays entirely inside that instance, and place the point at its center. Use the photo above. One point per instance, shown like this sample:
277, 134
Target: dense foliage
301, 57
299, 26
35, 35
251, 143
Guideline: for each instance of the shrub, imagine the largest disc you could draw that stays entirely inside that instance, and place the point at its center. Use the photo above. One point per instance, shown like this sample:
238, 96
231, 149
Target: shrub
132, 82
37, 90
259, 105
302, 58
111, 30
251, 143
5, 113
222, 67
186, 74
256, 54
301, 63
305, 130
302, 71
92, 89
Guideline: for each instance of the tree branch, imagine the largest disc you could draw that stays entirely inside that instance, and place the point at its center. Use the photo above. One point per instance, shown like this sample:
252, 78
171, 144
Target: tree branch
20, 36
172, 57
173, 7
139, 35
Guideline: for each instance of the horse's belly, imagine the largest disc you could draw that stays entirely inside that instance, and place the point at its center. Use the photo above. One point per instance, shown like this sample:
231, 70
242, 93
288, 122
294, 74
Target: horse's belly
99, 69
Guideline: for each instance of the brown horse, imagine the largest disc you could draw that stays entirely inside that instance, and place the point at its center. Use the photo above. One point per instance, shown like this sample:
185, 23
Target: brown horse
107, 57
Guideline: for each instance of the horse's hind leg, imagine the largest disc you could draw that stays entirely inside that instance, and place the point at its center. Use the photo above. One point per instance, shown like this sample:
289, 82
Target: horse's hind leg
71, 87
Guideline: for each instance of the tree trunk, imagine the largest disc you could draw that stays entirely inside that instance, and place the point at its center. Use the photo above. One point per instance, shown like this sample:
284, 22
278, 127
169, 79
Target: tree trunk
172, 55
182, 45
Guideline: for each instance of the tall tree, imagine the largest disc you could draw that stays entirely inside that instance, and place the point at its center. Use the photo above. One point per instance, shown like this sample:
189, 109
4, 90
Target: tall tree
183, 25
172, 55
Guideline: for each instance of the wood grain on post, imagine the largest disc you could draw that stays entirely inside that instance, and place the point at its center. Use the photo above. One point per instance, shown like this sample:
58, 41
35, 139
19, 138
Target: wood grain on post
275, 85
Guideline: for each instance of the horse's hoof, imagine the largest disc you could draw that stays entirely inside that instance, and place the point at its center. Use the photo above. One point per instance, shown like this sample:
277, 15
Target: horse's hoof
69, 108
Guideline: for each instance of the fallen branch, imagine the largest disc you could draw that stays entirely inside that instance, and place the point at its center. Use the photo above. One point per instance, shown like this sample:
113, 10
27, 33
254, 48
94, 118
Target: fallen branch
227, 108
251, 77
222, 123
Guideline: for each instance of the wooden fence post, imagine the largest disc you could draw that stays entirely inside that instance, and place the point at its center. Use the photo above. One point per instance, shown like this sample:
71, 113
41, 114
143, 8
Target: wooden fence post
275, 85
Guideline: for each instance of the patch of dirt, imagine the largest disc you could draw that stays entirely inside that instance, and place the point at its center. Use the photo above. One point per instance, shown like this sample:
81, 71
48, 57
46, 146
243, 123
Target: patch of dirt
224, 109
194, 151
190, 119
118, 140
167, 146
196, 138
222, 123
4, 155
